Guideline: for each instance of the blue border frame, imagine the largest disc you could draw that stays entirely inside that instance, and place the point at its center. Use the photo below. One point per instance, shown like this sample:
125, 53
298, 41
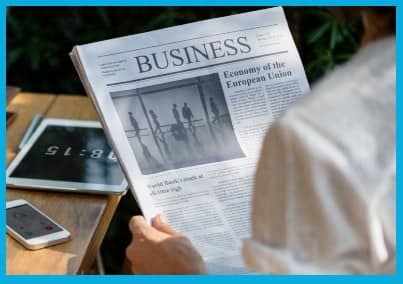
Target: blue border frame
198, 279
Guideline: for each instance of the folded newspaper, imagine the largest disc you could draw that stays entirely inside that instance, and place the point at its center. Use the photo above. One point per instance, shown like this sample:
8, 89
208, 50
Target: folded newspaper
186, 109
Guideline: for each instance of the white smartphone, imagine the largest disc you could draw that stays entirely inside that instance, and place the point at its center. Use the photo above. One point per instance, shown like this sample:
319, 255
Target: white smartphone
32, 228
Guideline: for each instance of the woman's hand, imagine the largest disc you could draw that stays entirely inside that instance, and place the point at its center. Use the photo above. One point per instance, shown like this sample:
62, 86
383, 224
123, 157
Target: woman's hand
159, 249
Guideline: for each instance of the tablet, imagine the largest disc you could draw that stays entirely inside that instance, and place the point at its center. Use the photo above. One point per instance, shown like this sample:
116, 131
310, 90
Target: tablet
67, 155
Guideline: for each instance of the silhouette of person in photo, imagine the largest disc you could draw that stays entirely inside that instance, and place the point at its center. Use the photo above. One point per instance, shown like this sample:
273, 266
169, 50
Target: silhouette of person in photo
157, 124
176, 114
215, 111
188, 115
135, 125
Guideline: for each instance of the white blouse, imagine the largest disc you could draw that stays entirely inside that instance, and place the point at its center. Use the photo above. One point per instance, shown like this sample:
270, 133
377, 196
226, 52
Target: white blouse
324, 199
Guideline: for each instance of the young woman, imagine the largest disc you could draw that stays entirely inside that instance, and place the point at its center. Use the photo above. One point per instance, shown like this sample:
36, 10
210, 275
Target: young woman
324, 199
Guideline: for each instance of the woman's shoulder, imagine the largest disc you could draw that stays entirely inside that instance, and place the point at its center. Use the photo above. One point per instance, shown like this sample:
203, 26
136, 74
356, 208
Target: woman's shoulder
364, 86
352, 110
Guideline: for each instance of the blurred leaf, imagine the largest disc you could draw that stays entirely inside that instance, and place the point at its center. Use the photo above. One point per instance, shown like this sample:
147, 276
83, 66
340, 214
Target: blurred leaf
318, 13
13, 56
334, 35
103, 15
319, 32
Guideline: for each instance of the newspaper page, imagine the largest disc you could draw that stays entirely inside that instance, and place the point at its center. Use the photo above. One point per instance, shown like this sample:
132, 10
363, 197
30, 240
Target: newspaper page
186, 109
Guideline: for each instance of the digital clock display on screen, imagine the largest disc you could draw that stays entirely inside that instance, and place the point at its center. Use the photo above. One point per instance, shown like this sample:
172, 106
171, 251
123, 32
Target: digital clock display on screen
71, 154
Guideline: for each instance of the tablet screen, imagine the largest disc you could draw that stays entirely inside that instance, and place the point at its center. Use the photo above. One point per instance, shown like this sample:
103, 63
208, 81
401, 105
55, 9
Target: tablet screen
71, 154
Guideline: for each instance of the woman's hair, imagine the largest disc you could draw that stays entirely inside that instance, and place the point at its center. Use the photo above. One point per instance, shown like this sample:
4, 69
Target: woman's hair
378, 21
385, 15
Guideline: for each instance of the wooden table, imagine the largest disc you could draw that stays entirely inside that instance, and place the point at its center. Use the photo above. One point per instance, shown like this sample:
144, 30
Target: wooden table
87, 217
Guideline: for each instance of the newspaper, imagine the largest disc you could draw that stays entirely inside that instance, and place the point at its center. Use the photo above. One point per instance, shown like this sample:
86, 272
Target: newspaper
186, 109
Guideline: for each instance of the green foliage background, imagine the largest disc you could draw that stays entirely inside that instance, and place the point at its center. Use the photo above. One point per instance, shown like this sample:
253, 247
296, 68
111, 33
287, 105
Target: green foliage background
40, 38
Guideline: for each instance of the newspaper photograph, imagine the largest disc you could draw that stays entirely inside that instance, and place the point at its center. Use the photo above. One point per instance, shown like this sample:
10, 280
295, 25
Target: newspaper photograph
185, 110
178, 124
